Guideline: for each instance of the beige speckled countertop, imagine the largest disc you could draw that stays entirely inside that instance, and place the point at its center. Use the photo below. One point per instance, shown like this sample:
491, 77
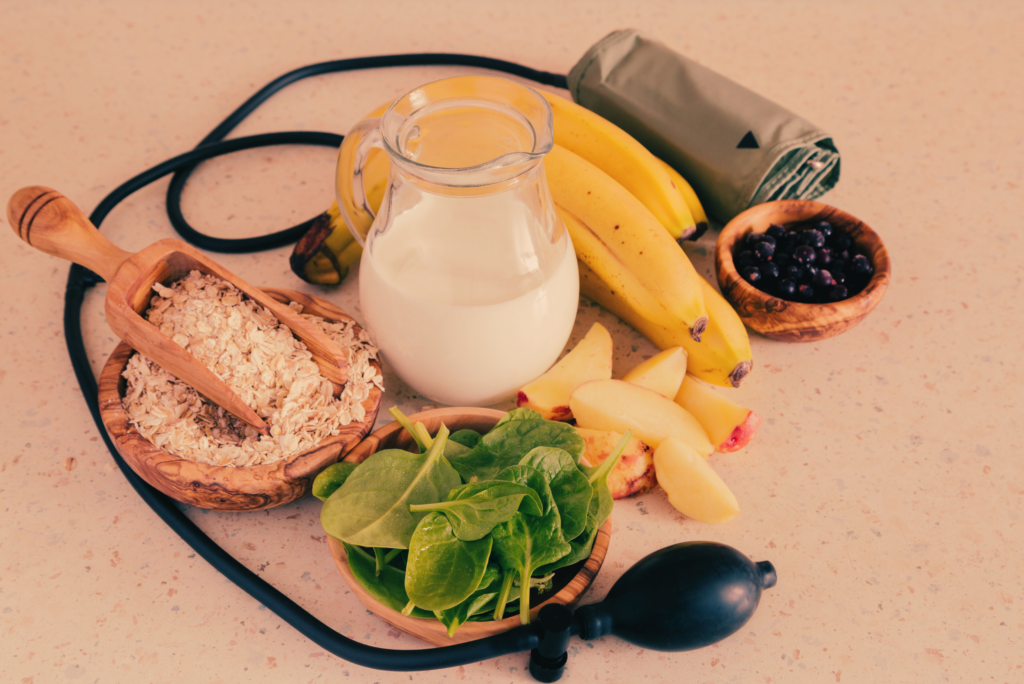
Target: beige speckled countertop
886, 484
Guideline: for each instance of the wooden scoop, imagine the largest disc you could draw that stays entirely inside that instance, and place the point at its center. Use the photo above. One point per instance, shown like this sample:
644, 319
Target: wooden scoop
50, 222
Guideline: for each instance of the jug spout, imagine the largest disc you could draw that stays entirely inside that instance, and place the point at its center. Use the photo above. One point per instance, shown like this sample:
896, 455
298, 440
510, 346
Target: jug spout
468, 131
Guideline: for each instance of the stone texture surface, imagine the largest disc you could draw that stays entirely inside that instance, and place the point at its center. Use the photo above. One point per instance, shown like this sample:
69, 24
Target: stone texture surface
886, 484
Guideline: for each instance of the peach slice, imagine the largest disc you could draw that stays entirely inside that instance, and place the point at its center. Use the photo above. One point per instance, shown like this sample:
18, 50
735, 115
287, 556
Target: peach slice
729, 425
619, 406
693, 488
549, 394
633, 474
662, 373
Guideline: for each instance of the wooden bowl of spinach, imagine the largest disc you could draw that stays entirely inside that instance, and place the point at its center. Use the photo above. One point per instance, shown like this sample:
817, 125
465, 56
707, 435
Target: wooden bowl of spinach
428, 518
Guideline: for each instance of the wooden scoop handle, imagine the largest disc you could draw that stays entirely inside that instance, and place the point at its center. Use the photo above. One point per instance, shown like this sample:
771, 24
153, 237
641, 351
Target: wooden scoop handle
51, 223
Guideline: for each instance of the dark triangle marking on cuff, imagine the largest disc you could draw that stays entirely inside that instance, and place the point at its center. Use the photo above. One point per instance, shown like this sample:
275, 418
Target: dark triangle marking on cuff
749, 142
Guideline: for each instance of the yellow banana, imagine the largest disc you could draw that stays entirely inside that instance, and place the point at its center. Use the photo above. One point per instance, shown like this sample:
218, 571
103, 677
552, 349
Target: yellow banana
593, 252
326, 251
723, 356
622, 157
700, 217
629, 230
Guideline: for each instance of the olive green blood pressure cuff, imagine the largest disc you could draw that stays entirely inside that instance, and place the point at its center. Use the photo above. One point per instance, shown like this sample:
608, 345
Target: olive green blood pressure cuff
735, 147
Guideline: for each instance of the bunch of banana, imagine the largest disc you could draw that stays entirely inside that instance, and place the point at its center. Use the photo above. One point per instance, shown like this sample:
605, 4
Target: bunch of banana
624, 209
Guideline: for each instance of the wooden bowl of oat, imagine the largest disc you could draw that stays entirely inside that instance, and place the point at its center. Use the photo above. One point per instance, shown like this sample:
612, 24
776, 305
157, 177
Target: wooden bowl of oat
254, 473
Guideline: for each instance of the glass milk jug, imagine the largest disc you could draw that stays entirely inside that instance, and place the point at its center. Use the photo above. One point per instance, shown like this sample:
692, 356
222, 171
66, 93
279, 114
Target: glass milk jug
468, 279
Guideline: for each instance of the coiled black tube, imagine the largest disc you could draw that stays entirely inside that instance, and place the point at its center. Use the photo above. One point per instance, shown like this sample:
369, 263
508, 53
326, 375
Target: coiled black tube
80, 279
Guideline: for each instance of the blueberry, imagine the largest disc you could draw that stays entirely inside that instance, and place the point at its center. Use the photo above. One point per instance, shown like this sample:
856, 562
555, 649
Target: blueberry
805, 292
744, 259
751, 274
775, 230
860, 266
781, 259
813, 237
751, 240
841, 241
838, 276
810, 273
822, 279
786, 288
825, 228
763, 250
794, 272
837, 293
769, 271
804, 254
824, 257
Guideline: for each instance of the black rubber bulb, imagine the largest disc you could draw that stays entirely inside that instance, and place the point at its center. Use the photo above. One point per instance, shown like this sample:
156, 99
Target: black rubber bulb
679, 598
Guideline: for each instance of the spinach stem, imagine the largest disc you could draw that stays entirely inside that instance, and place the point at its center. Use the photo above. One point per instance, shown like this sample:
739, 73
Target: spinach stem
380, 556
407, 611
506, 588
404, 422
424, 434
524, 599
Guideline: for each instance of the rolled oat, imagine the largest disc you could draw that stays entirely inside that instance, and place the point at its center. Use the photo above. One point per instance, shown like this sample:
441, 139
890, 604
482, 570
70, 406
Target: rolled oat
260, 360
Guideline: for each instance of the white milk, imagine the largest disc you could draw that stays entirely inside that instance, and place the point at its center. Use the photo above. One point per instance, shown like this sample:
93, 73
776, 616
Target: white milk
466, 315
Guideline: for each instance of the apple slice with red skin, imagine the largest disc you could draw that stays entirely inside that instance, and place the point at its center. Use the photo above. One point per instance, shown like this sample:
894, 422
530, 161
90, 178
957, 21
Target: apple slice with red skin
729, 425
549, 394
633, 474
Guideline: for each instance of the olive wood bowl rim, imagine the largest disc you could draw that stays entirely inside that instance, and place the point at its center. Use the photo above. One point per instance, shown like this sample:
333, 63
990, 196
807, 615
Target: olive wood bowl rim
229, 488
431, 630
785, 319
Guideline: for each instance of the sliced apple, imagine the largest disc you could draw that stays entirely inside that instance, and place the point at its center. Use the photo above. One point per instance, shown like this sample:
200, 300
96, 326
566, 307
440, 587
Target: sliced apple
633, 474
619, 406
693, 487
591, 359
729, 425
662, 373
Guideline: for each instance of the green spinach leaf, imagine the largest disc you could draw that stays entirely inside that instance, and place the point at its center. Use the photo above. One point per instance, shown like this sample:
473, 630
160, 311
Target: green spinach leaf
601, 506
518, 414
507, 443
474, 509
569, 486
372, 507
485, 594
331, 478
388, 587
442, 570
526, 542
467, 438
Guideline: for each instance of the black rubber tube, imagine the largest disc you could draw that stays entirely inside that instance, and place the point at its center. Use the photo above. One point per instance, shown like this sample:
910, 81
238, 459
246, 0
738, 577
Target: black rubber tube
81, 279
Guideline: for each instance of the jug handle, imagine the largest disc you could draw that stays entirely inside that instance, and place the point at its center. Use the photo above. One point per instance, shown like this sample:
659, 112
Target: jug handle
352, 201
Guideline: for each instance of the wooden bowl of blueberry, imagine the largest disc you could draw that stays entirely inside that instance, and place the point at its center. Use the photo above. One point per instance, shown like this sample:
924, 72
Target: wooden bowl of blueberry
800, 271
